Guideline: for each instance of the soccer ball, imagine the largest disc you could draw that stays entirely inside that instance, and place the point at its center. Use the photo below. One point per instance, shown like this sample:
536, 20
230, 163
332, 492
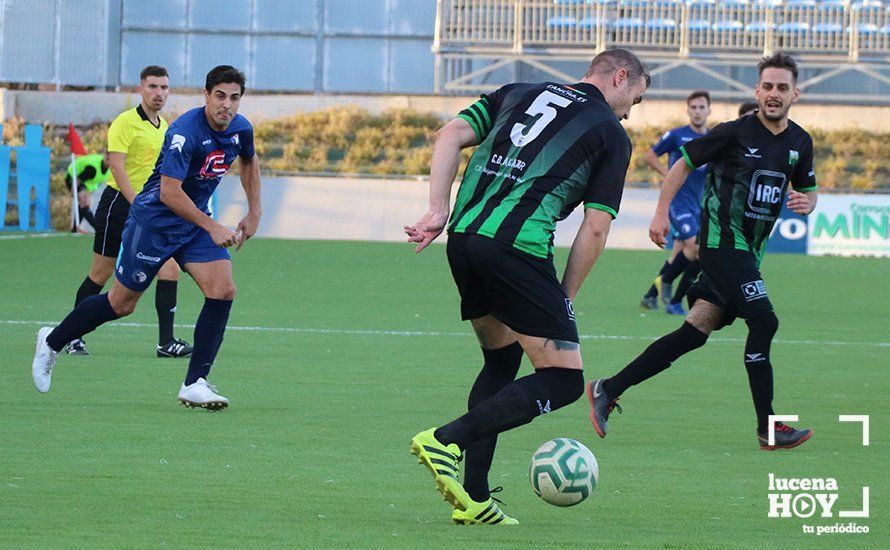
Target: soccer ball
563, 472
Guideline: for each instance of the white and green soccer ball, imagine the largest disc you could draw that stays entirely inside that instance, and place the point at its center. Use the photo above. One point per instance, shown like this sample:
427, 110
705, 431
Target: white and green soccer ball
563, 472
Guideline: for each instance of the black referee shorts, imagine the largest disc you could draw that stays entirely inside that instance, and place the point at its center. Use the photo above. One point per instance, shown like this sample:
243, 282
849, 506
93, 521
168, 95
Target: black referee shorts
110, 216
518, 289
731, 279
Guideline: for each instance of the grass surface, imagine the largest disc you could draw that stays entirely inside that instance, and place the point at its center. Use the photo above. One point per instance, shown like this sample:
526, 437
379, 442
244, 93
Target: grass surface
360, 346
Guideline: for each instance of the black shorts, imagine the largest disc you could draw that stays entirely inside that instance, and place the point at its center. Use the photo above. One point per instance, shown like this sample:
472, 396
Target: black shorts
518, 289
110, 216
731, 279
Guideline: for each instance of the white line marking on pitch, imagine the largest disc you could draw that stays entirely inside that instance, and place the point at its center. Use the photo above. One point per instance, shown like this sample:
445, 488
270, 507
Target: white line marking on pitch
383, 332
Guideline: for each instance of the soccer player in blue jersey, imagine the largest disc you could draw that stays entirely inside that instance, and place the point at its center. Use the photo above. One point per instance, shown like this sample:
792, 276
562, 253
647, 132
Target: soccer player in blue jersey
685, 209
170, 219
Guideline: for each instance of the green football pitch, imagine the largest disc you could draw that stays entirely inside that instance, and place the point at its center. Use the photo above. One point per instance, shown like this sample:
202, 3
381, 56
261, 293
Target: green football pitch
337, 353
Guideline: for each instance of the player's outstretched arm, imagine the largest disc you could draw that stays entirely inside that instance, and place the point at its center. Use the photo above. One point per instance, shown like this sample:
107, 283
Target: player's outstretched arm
249, 171
176, 200
586, 249
450, 139
660, 225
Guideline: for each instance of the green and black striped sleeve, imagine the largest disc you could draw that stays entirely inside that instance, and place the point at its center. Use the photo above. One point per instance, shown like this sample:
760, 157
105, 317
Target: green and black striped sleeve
481, 115
804, 178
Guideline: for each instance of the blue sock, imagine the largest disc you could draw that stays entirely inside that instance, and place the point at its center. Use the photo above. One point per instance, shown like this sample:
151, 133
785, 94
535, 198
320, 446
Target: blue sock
83, 319
209, 331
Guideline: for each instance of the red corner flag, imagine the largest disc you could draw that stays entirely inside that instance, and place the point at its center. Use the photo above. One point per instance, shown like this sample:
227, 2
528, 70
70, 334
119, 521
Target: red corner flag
74, 139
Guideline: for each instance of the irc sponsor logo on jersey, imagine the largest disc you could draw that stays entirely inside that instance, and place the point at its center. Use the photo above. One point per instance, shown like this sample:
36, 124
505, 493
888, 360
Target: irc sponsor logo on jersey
214, 165
177, 141
147, 258
766, 191
570, 93
793, 157
507, 162
752, 153
207, 142
754, 290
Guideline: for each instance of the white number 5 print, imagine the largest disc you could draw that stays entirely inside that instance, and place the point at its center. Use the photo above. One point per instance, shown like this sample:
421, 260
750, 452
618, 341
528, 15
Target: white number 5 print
543, 105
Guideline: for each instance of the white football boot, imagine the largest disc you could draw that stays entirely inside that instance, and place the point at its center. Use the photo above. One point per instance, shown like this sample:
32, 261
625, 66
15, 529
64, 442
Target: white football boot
44, 361
201, 394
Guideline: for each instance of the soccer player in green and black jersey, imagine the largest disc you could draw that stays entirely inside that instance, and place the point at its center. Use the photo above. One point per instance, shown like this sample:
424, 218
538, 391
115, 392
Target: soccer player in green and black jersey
752, 162
543, 149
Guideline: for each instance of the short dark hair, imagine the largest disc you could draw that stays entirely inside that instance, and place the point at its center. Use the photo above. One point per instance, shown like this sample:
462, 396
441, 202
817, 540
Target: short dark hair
779, 60
747, 107
612, 60
153, 70
697, 94
224, 74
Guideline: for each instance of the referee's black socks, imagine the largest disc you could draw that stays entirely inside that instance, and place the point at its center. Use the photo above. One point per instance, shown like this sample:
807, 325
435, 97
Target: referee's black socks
87, 288
500, 368
165, 304
657, 357
516, 404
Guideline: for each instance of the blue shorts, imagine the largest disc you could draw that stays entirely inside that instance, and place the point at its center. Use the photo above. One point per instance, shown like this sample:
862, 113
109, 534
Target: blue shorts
684, 221
144, 251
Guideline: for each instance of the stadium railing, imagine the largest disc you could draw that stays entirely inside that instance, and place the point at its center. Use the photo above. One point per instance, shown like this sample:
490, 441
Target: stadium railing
824, 29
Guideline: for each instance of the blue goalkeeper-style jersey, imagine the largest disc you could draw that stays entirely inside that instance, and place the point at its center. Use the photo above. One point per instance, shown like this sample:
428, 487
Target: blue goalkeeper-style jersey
693, 188
198, 156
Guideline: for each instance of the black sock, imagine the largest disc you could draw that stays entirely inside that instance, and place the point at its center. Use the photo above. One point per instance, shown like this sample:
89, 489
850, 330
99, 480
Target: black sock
87, 288
761, 330
675, 268
516, 404
500, 368
653, 292
165, 304
690, 274
209, 331
84, 319
657, 357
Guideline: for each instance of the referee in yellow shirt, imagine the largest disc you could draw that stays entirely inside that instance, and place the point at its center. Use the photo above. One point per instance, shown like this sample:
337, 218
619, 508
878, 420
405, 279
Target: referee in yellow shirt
134, 141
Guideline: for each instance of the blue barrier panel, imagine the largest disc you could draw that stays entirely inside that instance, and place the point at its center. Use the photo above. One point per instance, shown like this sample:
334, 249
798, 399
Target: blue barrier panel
32, 174
789, 234
4, 180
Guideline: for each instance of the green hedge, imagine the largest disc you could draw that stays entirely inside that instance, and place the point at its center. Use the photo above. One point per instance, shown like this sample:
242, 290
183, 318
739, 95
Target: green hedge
349, 140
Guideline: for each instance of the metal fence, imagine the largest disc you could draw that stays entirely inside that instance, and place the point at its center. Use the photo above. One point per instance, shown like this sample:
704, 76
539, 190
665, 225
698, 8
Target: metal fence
727, 27
362, 46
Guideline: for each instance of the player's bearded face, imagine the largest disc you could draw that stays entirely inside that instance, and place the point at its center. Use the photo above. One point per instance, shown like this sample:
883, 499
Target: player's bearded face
775, 93
222, 102
629, 94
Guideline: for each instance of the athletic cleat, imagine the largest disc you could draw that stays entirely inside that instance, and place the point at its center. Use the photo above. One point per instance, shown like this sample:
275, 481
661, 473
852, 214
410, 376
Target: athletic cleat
786, 437
76, 347
600, 406
44, 361
675, 309
175, 348
483, 513
203, 395
649, 302
442, 461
